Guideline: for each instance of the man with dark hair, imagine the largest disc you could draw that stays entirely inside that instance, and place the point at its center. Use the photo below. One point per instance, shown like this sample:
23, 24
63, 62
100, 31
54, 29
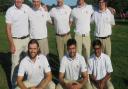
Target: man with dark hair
103, 20
100, 68
73, 69
36, 67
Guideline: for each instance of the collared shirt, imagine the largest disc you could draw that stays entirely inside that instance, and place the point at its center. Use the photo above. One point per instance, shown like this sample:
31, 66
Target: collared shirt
72, 68
82, 18
60, 16
100, 66
38, 23
103, 21
34, 70
18, 18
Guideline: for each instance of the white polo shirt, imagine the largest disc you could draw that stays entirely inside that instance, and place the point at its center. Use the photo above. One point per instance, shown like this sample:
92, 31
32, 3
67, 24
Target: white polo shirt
18, 18
103, 21
99, 67
34, 71
60, 16
82, 18
73, 68
38, 23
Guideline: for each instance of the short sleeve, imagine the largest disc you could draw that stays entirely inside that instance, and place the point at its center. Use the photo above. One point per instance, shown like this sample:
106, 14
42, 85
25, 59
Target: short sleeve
90, 66
112, 20
49, 18
51, 12
46, 65
83, 65
108, 65
8, 16
21, 70
62, 65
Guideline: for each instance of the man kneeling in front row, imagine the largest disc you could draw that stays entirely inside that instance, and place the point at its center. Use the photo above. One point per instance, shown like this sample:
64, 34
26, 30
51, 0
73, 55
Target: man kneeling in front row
100, 68
73, 69
37, 69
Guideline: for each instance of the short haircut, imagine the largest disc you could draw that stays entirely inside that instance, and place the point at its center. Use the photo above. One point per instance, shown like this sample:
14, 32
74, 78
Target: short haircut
71, 42
96, 42
103, 0
33, 41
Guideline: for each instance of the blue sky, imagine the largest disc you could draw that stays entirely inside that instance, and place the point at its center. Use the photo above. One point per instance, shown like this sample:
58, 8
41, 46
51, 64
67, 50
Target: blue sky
68, 2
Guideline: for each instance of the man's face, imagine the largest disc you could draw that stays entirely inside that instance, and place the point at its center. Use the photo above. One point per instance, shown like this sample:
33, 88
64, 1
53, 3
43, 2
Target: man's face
18, 3
72, 51
33, 50
80, 2
102, 4
36, 4
60, 2
97, 50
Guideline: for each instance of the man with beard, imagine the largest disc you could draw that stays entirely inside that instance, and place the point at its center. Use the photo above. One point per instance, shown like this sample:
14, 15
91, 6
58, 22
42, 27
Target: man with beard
36, 68
73, 70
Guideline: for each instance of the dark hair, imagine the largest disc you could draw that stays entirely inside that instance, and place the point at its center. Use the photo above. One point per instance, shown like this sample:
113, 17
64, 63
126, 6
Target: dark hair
103, 0
96, 42
71, 42
34, 41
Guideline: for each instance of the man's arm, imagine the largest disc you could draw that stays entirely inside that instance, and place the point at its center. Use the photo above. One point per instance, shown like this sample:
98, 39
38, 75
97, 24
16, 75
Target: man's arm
102, 82
45, 81
62, 82
83, 80
10, 39
20, 82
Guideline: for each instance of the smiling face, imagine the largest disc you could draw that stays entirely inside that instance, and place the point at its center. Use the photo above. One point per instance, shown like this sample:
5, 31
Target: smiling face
18, 3
33, 50
72, 51
36, 4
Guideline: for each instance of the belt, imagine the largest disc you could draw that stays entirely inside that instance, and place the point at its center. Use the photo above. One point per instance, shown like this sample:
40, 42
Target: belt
23, 37
62, 35
83, 35
103, 37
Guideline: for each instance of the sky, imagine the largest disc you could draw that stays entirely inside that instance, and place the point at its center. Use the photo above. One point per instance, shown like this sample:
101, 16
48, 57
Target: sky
68, 2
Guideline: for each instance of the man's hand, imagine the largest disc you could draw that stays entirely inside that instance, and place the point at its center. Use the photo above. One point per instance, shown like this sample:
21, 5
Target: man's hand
76, 85
68, 85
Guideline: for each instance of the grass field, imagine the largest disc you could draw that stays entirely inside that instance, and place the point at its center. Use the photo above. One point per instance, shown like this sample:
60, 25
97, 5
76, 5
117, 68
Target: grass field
119, 54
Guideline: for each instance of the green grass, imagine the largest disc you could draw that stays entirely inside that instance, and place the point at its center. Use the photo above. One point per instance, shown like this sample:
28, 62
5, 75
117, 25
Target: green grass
119, 53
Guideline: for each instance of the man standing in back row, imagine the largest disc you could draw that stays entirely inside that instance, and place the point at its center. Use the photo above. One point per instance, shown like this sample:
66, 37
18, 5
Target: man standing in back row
38, 25
17, 33
81, 15
103, 20
60, 16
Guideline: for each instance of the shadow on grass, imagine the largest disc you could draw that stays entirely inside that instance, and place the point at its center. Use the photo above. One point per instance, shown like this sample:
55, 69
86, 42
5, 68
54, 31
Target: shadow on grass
5, 61
54, 64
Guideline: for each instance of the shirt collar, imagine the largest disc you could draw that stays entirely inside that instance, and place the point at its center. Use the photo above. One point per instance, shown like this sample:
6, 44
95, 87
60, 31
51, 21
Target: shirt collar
62, 7
100, 57
69, 58
82, 5
18, 8
103, 11
37, 58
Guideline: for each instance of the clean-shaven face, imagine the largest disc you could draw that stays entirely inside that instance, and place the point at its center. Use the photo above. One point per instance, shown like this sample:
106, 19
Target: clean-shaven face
102, 5
36, 4
72, 51
18, 3
97, 50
